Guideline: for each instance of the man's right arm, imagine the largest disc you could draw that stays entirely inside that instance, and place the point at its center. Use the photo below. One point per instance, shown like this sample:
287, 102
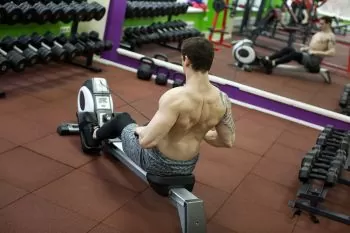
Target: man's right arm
224, 134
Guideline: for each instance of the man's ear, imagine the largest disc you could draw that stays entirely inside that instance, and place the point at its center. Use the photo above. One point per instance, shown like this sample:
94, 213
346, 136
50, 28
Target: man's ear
187, 62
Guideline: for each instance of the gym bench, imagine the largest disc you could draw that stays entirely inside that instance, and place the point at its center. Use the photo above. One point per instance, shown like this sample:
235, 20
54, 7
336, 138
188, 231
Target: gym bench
177, 188
325, 74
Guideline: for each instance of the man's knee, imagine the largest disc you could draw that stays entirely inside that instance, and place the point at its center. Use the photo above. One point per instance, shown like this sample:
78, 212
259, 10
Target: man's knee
115, 126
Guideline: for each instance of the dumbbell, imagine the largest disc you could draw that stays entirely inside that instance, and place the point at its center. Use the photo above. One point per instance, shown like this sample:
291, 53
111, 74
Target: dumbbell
56, 11
323, 140
344, 98
107, 44
16, 60
80, 49
91, 11
44, 13
67, 14
324, 153
71, 51
80, 11
44, 54
29, 13
317, 161
336, 133
10, 43
98, 46
4, 64
58, 53
100, 10
13, 14
84, 48
330, 176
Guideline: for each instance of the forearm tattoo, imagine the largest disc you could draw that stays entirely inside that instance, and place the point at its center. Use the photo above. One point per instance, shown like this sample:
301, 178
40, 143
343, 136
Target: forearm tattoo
227, 119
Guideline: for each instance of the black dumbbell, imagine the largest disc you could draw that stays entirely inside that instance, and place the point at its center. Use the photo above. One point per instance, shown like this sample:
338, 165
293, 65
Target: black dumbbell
330, 176
331, 154
98, 46
67, 14
90, 11
11, 43
80, 11
15, 59
71, 51
336, 133
100, 10
84, 49
344, 99
13, 14
323, 140
107, 44
29, 13
58, 53
44, 13
316, 161
4, 64
24, 42
57, 12
80, 48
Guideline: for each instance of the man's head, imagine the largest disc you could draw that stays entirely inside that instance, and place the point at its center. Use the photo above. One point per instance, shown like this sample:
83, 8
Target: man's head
197, 54
325, 23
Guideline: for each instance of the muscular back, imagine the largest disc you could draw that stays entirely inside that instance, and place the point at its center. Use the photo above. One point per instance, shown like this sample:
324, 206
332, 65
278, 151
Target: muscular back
199, 111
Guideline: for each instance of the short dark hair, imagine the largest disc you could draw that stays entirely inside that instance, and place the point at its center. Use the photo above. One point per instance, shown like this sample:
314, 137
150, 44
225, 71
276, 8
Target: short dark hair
327, 19
200, 51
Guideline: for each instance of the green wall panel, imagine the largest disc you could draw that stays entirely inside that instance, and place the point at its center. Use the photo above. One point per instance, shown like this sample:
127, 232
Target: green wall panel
20, 29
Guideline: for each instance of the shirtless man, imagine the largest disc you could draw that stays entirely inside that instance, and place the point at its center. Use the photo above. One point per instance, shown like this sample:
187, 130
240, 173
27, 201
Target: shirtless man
169, 144
322, 44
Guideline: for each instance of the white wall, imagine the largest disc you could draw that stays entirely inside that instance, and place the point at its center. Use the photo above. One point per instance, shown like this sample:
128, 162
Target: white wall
94, 25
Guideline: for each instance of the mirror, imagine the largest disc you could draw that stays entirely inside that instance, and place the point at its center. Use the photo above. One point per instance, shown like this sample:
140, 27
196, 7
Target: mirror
298, 85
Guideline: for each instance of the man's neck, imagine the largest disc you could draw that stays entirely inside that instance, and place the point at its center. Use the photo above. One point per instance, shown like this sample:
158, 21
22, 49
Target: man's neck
196, 78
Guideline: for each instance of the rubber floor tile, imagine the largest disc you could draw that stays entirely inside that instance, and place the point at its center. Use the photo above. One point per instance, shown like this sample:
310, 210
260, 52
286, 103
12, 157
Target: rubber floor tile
47, 91
20, 131
9, 193
28, 170
266, 193
147, 213
67, 149
18, 102
251, 128
135, 114
86, 194
296, 141
5, 145
103, 228
252, 144
238, 112
339, 195
294, 94
51, 115
213, 198
235, 158
213, 227
108, 168
285, 154
242, 215
301, 230
43, 217
267, 119
221, 176
279, 172
303, 131
326, 224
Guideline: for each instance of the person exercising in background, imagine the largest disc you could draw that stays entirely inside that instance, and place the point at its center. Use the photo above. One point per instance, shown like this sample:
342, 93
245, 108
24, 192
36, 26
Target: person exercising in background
322, 44
169, 144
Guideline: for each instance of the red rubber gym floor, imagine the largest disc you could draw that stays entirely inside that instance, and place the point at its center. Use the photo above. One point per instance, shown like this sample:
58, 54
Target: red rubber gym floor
48, 185
301, 86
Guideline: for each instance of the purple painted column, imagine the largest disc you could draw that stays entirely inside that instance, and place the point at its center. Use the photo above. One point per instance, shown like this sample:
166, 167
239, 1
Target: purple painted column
114, 27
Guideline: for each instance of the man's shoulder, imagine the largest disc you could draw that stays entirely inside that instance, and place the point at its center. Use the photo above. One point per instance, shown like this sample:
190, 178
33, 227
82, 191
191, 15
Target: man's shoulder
173, 96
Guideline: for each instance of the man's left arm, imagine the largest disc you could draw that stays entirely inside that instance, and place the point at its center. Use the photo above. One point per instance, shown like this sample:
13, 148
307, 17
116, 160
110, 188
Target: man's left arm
161, 123
330, 52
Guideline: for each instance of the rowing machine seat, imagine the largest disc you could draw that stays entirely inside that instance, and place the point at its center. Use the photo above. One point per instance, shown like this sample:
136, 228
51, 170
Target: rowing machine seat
163, 184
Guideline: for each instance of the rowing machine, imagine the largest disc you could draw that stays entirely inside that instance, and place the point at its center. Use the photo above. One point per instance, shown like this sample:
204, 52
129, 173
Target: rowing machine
246, 58
94, 96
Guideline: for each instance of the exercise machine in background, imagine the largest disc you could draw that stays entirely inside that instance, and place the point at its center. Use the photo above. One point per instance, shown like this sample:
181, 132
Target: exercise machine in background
247, 59
219, 6
95, 96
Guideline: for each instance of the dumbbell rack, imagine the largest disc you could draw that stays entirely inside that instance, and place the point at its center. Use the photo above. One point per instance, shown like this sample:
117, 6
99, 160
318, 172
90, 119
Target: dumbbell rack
166, 45
89, 58
310, 197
